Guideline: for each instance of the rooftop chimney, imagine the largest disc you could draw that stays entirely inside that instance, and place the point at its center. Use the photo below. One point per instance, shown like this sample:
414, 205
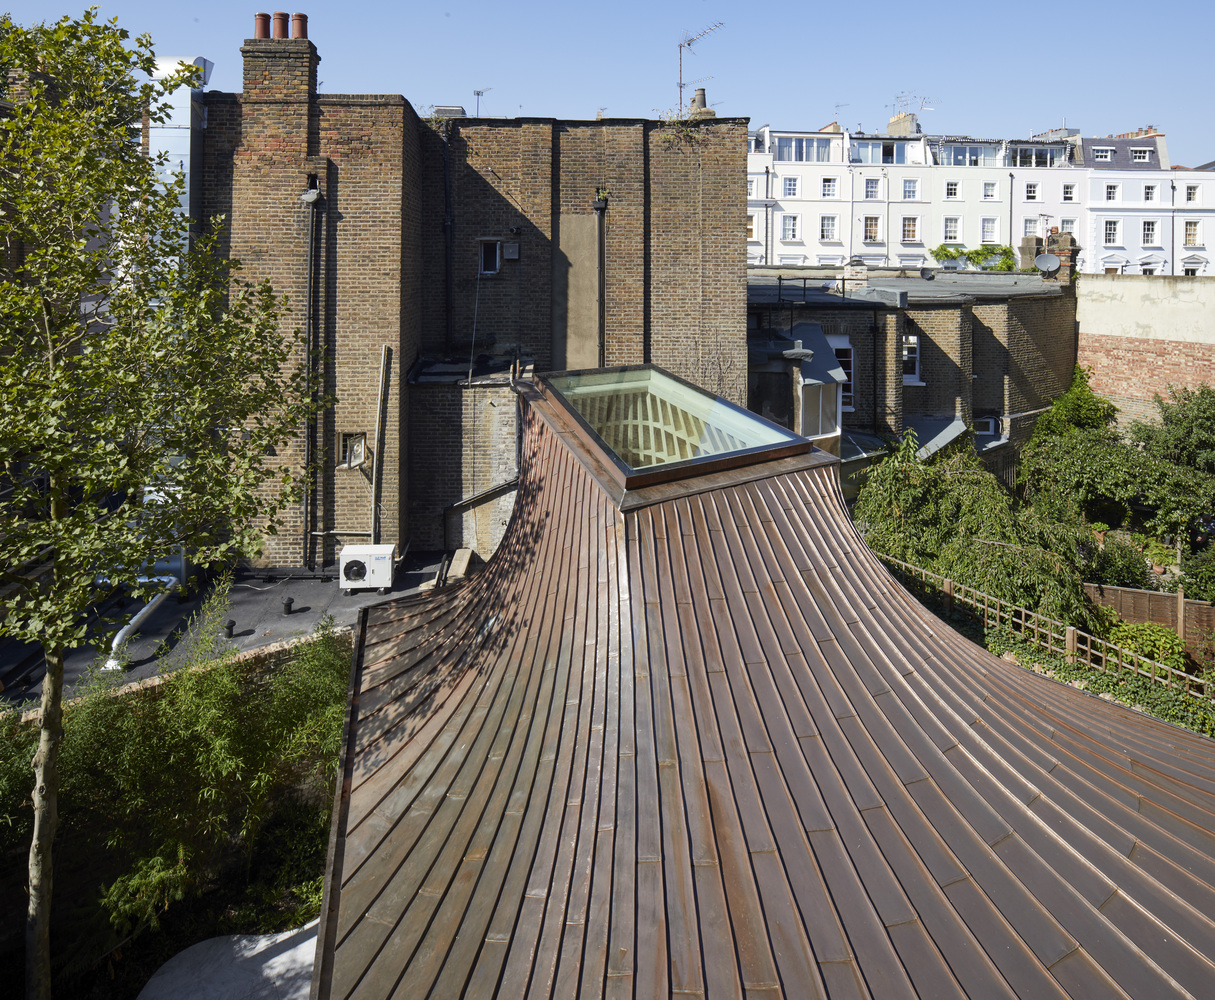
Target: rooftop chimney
280, 24
299, 25
261, 25
700, 109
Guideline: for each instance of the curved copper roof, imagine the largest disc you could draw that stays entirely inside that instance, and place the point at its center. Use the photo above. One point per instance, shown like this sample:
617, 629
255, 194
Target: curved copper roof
706, 745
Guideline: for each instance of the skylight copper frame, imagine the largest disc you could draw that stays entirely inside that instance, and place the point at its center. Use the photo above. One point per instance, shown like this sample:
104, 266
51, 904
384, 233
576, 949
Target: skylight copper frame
625, 476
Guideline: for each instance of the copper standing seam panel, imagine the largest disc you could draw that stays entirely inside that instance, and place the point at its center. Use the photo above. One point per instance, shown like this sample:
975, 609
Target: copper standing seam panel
709, 746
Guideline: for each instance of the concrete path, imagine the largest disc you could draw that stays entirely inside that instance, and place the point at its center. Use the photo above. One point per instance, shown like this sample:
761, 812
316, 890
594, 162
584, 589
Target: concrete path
239, 967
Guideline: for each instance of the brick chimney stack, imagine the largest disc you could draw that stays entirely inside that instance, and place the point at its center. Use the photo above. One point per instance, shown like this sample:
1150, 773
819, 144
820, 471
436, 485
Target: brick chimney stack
278, 68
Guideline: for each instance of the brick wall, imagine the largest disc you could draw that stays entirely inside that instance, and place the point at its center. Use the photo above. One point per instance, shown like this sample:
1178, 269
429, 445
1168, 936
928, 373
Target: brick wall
406, 205
1142, 333
1024, 355
946, 361
261, 151
469, 446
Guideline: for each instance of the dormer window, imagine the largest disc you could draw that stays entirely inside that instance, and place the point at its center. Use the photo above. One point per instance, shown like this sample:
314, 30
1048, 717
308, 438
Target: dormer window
1140, 155
1103, 154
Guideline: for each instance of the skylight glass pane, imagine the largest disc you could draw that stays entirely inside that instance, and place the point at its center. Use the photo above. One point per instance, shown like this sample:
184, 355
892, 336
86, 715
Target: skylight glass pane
648, 418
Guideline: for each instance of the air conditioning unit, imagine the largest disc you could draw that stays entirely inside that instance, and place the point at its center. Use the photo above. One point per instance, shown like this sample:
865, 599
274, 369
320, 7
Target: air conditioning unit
366, 567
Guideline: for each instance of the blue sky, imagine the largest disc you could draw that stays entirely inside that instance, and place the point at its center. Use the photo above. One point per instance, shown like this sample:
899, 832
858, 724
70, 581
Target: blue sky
987, 70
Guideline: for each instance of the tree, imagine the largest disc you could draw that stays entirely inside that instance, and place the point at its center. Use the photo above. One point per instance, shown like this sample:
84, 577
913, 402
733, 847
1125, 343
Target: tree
1186, 432
141, 385
950, 515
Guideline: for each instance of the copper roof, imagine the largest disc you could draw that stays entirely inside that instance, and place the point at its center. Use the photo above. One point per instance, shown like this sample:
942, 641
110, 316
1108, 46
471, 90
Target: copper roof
705, 745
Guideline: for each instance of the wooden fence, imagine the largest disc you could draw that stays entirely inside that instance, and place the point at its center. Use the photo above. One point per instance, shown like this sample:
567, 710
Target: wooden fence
1050, 635
1193, 621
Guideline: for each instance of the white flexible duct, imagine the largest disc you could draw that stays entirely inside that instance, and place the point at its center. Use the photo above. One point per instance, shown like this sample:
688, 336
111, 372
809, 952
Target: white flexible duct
130, 627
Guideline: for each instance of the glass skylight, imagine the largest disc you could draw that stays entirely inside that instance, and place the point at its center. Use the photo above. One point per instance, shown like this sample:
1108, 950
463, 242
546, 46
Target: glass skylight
647, 420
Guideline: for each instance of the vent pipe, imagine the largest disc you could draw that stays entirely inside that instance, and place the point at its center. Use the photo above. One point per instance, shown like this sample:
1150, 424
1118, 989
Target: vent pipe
299, 25
261, 25
280, 24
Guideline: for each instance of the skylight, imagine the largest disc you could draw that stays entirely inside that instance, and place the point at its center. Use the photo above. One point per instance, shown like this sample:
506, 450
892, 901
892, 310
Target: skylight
655, 427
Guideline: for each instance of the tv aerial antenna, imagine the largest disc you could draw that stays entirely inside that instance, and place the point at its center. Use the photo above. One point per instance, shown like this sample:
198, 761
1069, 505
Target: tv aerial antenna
686, 43
907, 103
479, 94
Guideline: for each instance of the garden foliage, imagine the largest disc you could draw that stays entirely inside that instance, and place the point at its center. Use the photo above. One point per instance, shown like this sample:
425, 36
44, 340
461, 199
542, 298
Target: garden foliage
168, 785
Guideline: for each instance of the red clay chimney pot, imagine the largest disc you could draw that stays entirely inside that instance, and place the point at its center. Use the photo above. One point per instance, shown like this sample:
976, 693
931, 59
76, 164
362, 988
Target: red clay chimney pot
261, 25
280, 24
299, 25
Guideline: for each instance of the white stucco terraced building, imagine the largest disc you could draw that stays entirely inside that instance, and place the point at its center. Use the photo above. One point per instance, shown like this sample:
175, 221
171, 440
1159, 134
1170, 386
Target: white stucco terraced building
822, 198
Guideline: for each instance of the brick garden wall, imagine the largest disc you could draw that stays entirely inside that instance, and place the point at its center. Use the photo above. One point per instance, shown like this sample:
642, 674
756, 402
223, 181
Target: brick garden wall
1141, 333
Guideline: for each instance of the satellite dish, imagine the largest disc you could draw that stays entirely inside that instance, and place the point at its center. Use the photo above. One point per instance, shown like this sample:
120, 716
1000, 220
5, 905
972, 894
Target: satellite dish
1046, 262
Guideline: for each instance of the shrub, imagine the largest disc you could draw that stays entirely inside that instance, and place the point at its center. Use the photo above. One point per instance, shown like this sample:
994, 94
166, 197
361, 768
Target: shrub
1198, 574
164, 787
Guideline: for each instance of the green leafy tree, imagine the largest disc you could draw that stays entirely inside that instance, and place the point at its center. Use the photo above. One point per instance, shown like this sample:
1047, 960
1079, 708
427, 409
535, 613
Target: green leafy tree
1079, 408
1186, 432
141, 386
950, 515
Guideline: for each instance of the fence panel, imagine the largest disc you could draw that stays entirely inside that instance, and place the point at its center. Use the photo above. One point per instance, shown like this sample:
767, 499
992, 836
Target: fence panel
1058, 637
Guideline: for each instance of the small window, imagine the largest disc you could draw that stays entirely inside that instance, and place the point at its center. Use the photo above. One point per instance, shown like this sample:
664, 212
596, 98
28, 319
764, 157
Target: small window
1069, 192
789, 188
1067, 226
1103, 154
1191, 193
911, 358
910, 229
909, 189
820, 410
828, 187
1140, 155
990, 230
843, 357
1031, 192
826, 228
788, 227
1031, 227
953, 228
951, 189
990, 191
871, 228
750, 227
1149, 192
1111, 192
750, 187
1149, 232
1111, 232
1191, 233
491, 256
1190, 272
1147, 270
871, 187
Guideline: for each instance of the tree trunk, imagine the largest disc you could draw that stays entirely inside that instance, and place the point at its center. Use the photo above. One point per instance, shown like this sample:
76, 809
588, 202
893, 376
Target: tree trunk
46, 817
